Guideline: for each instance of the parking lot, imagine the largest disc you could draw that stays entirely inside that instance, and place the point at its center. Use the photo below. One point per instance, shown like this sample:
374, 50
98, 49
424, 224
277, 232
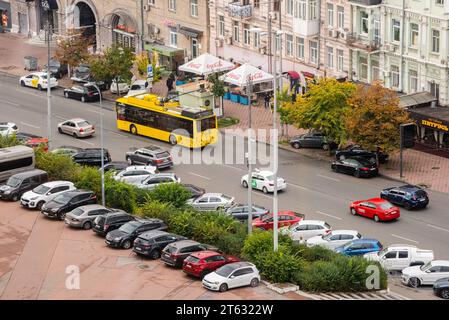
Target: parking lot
38, 255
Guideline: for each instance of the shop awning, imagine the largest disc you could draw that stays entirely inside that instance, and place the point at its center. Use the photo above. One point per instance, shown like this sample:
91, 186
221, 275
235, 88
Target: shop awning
416, 100
163, 50
293, 75
189, 32
436, 118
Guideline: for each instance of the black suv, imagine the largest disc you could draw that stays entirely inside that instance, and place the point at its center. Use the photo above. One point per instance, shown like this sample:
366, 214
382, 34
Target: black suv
91, 157
175, 253
408, 196
124, 236
312, 140
151, 243
111, 221
150, 155
357, 151
60, 205
20, 183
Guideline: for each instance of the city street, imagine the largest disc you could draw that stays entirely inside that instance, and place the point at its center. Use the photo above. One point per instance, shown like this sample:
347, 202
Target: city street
313, 189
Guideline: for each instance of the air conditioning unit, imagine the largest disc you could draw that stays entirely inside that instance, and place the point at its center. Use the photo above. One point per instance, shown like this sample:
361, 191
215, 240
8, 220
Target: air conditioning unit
263, 50
218, 42
342, 35
146, 7
336, 34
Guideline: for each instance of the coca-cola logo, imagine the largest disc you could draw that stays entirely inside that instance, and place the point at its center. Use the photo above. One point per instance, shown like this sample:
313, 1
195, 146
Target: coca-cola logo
215, 65
194, 65
234, 76
256, 76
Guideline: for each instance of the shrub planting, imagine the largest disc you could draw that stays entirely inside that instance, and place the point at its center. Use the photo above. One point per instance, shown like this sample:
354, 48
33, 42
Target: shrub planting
58, 166
172, 193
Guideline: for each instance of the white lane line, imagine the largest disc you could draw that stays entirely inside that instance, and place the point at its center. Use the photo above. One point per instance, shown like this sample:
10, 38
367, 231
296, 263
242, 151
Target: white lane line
329, 178
438, 228
297, 186
329, 215
86, 142
30, 125
11, 103
256, 193
231, 167
198, 175
403, 238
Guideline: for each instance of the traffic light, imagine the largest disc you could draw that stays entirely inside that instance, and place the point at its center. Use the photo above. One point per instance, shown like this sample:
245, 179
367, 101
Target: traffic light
408, 133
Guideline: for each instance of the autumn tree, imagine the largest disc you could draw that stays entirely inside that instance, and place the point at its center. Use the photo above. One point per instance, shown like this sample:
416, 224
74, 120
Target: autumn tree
374, 117
73, 49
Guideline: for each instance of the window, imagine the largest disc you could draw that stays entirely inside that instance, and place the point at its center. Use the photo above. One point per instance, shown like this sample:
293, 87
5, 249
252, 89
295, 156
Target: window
314, 52
221, 26
15, 164
391, 255
330, 14
330, 57
396, 30
434, 89
340, 60
289, 7
435, 41
403, 254
364, 69
313, 10
172, 5
413, 81
246, 35
395, 76
377, 32
236, 31
300, 48
194, 8
439, 2
414, 33
173, 38
289, 43
341, 17
256, 39
300, 9
375, 73
364, 22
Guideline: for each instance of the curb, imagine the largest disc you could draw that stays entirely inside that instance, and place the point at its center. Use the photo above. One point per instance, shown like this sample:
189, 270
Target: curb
273, 286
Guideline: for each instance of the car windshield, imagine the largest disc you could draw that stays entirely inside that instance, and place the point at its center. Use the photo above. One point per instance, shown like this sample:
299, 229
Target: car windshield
128, 228
41, 189
382, 252
13, 182
226, 197
62, 199
137, 87
83, 69
327, 236
386, 206
266, 216
225, 271
192, 259
426, 266
77, 212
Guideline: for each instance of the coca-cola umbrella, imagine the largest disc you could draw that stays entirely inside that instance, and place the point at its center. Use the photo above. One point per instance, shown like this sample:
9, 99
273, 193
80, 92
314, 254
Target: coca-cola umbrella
246, 73
206, 64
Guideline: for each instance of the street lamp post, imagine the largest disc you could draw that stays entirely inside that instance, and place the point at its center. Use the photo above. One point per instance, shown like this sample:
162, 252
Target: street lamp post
250, 158
103, 200
48, 27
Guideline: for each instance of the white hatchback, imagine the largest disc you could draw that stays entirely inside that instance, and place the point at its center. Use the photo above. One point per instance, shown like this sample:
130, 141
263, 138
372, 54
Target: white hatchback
42, 194
426, 274
263, 180
306, 229
334, 239
232, 275
135, 174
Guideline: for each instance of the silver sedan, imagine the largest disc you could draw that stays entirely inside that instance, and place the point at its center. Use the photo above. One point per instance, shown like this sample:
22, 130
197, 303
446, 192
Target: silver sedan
83, 217
78, 128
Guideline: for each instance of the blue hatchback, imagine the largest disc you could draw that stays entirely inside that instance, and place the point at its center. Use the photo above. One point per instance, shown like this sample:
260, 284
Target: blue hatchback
359, 247
408, 196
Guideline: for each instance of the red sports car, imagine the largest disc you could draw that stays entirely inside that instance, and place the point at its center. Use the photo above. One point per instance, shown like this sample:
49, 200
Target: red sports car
201, 263
285, 219
376, 208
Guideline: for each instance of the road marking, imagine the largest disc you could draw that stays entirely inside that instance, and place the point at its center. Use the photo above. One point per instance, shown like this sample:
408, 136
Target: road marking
11, 103
231, 167
297, 186
118, 134
438, 228
403, 238
198, 175
328, 215
87, 142
30, 125
256, 193
329, 178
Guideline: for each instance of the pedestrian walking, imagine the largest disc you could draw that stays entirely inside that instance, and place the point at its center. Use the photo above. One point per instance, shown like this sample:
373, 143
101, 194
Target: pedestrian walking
267, 99
170, 82
4, 23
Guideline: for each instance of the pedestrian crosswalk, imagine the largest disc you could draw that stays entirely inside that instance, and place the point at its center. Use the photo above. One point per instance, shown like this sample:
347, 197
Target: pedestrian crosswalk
378, 295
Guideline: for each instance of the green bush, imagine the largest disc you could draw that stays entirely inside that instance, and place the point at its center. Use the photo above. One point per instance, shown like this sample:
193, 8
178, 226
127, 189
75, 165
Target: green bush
316, 253
183, 223
172, 193
58, 167
142, 196
278, 266
89, 178
210, 226
232, 243
260, 242
8, 141
120, 195
159, 210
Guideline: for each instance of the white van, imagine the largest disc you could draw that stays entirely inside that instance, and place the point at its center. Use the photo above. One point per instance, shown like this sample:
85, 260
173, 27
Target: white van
15, 160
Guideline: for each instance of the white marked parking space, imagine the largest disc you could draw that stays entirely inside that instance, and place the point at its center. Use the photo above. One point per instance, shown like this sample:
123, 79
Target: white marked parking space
438, 228
328, 178
29, 125
404, 238
329, 215
199, 176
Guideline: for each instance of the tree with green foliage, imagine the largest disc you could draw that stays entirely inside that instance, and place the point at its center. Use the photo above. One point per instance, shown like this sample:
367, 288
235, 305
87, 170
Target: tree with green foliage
374, 117
217, 87
172, 193
73, 49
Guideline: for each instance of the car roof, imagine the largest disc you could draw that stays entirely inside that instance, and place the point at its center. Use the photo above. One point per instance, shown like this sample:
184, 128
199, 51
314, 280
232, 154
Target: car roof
375, 200
78, 191
320, 222
76, 120
363, 240
183, 243
409, 187
148, 220
213, 194
94, 150
52, 184
153, 233
130, 168
353, 232
240, 264
152, 148
10, 124
39, 73
139, 82
89, 207
117, 213
398, 246
440, 263
264, 173
162, 174
205, 254
31, 173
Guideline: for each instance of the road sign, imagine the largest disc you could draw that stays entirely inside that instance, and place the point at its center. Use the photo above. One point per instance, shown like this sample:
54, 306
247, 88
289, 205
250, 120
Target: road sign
150, 70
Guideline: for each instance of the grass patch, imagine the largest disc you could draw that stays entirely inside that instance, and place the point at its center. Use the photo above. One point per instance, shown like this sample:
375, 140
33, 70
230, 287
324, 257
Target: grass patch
227, 122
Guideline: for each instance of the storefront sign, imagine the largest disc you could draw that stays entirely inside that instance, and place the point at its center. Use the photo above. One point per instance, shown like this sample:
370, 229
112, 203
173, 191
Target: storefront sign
434, 124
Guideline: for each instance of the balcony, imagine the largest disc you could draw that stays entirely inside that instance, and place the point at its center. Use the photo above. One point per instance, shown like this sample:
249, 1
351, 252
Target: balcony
306, 28
366, 2
358, 41
239, 10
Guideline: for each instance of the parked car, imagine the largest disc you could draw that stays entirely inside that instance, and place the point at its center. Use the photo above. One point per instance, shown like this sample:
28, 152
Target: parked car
124, 236
157, 179
111, 221
175, 253
83, 217
194, 190
211, 202
357, 166
116, 166
233, 275
375, 208
38, 80
138, 87
20, 183
426, 274
135, 174
32, 140
312, 140
334, 239
92, 157
241, 212
305, 229
398, 257
285, 219
356, 150
408, 196
123, 87
67, 201
201, 263
151, 243
78, 128
84, 93
150, 156
263, 180
69, 151
441, 288
57, 69
44, 193
81, 73
8, 129
359, 247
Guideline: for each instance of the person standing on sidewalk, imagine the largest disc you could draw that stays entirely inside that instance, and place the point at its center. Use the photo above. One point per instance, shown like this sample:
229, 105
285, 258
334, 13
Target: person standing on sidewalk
4, 24
170, 81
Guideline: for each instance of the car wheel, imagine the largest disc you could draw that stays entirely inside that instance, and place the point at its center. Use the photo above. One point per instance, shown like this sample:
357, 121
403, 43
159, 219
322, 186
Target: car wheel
126, 244
219, 208
155, 254
357, 174
353, 211
75, 136
39, 87
245, 184
83, 99
296, 145
414, 282
376, 218
444, 293
66, 94
265, 190
133, 129
87, 225
173, 141
129, 160
22, 83
60, 130
325, 147
15, 197
334, 168
39, 205
223, 287
254, 282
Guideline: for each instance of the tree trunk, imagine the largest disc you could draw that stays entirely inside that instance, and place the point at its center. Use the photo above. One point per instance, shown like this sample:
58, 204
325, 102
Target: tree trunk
69, 73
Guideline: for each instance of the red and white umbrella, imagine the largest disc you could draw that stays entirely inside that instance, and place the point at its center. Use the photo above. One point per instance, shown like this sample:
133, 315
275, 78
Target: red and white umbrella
246, 73
206, 64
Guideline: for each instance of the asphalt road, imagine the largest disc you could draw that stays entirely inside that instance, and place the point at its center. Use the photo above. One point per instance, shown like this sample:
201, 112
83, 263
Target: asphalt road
313, 189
